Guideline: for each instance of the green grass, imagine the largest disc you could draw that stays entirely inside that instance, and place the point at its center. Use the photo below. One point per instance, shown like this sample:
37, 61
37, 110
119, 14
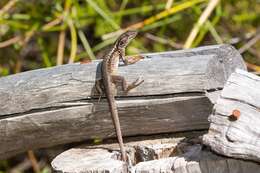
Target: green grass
86, 21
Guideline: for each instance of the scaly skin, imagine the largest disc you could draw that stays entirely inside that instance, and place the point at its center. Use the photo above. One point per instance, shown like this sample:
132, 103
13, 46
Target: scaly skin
109, 70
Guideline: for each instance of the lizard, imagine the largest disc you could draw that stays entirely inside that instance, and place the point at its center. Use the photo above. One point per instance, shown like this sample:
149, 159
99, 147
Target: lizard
110, 78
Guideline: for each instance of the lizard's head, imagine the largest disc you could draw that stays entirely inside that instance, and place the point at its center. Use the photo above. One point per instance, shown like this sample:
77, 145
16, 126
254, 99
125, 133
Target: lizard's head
125, 38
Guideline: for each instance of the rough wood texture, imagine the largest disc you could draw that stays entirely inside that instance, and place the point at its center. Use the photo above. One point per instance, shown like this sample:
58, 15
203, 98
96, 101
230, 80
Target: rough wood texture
55, 105
171, 155
237, 138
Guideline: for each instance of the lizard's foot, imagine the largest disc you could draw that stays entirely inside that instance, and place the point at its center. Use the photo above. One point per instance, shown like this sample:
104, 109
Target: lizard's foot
99, 89
136, 83
134, 59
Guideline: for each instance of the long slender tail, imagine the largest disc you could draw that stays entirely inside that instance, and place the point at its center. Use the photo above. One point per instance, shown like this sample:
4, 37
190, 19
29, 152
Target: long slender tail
114, 114
115, 117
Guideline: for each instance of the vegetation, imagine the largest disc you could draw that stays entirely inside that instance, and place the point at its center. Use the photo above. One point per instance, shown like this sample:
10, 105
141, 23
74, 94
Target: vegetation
43, 33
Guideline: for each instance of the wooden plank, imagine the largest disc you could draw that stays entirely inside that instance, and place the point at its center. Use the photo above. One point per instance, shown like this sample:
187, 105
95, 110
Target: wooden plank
194, 70
57, 105
173, 155
237, 138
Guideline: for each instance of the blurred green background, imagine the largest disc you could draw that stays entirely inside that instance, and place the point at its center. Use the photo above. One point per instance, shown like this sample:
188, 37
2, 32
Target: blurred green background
43, 33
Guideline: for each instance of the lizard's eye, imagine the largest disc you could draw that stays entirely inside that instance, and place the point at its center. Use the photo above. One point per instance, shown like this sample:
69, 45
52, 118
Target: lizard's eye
121, 43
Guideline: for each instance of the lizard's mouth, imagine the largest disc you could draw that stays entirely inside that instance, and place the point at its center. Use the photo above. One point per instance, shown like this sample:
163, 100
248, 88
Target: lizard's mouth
132, 34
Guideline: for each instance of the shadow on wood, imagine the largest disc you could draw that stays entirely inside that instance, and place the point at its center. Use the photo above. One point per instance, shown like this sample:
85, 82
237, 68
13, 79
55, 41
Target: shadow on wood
175, 155
51, 106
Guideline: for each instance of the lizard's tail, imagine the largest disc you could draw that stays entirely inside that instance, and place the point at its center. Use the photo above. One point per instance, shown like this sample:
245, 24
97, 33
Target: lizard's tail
115, 117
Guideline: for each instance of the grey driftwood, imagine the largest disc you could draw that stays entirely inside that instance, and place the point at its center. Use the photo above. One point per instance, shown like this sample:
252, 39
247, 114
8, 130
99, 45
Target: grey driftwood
171, 155
57, 105
237, 138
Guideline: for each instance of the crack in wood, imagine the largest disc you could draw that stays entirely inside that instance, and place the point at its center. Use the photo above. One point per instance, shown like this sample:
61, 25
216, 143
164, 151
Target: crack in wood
174, 97
94, 100
241, 101
40, 110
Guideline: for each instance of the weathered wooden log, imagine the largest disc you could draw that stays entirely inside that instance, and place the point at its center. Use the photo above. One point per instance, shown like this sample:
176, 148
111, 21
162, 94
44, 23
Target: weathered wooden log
57, 105
171, 155
237, 135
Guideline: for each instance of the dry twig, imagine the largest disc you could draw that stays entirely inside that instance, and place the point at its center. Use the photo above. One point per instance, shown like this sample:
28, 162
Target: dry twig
10, 41
163, 41
203, 18
62, 36
8, 6
34, 162
73, 48
254, 52
253, 67
61, 45
21, 167
52, 23
152, 19
250, 43
169, 4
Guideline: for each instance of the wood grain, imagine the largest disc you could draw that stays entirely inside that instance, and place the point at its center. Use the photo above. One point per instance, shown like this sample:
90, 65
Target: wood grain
171, 155
239, 138
58, 105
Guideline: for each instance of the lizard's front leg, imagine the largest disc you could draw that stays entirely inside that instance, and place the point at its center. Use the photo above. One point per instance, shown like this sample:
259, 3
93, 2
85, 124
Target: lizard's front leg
129, 60
122, 81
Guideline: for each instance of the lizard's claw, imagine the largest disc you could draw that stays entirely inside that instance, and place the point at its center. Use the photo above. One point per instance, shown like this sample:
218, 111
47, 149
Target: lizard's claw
99, 98
136, 83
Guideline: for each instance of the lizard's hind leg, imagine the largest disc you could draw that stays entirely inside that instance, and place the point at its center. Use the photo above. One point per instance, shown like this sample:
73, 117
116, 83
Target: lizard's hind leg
122, 81
99, 88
